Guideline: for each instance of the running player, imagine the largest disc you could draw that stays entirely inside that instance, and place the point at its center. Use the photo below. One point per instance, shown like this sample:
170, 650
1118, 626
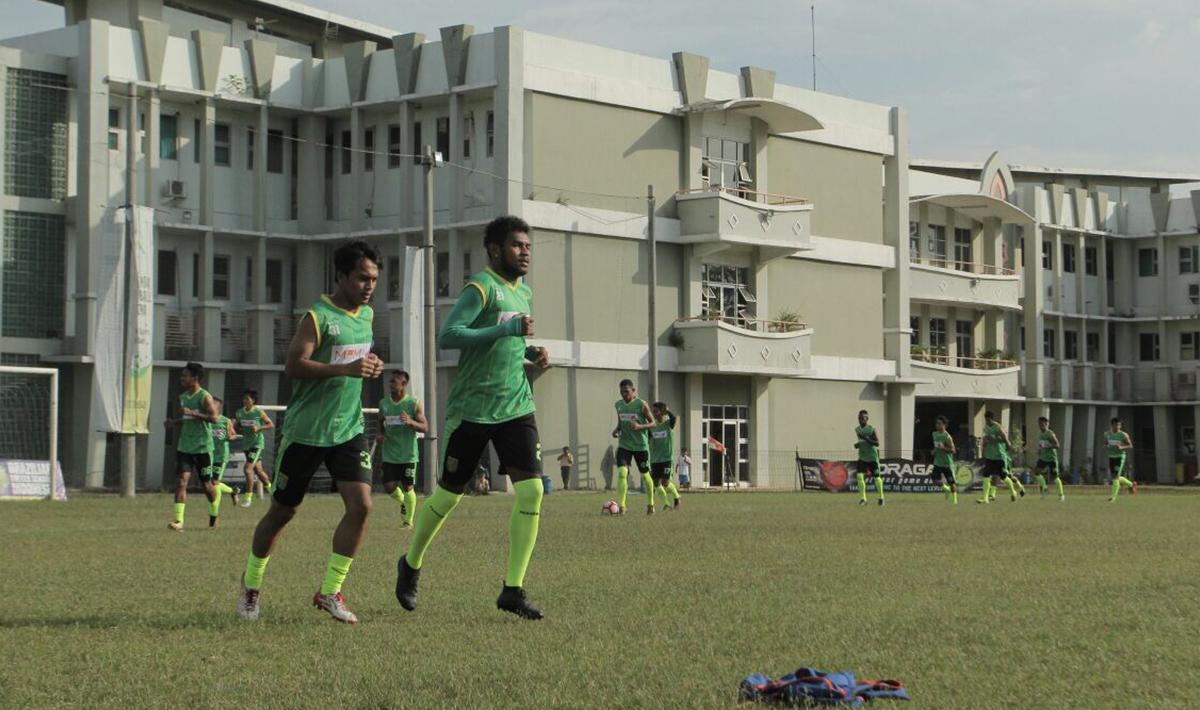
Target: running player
252, 421
995, 458
1118, 442
222, 434
329, 357
490, 401
662, 453
868, 457
633, 418
1047, 463
400, 418
193, 449
943, 459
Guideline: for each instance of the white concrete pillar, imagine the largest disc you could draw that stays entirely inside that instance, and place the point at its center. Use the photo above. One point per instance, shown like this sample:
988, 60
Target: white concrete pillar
693, 421
760, 434
1164, 445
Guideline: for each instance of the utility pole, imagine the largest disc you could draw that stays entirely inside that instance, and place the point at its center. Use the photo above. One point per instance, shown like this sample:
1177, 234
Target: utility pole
431, 401
812, 18
653, 292
128, 439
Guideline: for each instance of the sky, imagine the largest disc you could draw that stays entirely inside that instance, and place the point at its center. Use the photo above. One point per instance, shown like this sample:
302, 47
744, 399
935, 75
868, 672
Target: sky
1096, 84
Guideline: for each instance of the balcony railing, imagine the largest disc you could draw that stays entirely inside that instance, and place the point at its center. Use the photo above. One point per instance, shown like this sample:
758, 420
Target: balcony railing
285, 328
237, 335
758, 325
179, 337
768, 198
967, 267
939, 356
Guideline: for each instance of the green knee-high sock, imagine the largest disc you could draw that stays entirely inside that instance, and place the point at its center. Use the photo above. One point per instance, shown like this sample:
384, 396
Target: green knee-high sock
662, 494
523, 529
223, 487
250, 494
946, 490
214, 506
862, 487
1041, 481
397, 495
1125, 481
410, 505
1116, 487
673, 491
987, 489
1017, 482
1058, 484
648, 485
435, 511
954, 495
1012, 489
622, 485
879, 486
179, 508
335, 573
255, 567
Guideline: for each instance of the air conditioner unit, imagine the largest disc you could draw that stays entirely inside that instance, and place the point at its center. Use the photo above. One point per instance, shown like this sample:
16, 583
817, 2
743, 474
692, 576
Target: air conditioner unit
175, 189
1185, 379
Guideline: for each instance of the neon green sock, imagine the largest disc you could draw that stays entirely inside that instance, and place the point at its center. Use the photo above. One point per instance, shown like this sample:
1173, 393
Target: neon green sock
223, 487
250, 494
946, 490
1058, 484
648, 485
1017, 482
987, 487
954, 496
1041, 481
397, 495
622, 485
862, 487
410, 505
255, 567
1116, 487
1125, 481
179, 508
671, 489
1012, 489
335, 573
879, 486
433, 514
662, 494
523, 529
214, 505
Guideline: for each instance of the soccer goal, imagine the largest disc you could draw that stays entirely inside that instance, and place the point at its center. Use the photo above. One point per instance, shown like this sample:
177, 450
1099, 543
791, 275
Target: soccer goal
29, 433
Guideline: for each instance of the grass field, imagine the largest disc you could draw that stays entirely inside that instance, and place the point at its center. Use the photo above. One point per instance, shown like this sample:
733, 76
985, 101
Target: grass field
1033, 604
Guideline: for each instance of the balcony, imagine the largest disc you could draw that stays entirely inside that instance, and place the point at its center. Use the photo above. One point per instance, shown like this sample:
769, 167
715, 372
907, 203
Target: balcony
718, 218
237, 336
965, 377
179, 335
935, 280
746, 346
1183, 386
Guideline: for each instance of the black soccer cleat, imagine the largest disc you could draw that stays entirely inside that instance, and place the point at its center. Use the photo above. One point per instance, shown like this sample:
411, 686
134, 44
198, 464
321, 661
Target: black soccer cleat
406, 584
512, 600
212, 521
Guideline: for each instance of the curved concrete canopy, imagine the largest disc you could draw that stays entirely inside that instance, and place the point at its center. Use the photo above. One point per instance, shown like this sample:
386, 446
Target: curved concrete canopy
780, 117
978, 207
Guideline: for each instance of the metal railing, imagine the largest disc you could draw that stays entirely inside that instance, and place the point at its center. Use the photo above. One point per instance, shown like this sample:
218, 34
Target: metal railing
179, 337
768, 198
758, 325
940, 356
967, 267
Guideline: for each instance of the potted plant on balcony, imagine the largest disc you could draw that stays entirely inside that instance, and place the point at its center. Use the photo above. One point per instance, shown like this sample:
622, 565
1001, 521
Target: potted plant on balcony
786, 321
989, 359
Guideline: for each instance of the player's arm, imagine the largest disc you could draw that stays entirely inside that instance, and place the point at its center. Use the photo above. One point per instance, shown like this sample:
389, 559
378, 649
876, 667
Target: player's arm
208, 410
1054, 441
617, 429
1128, 443
382, 424
1004, 438
457, 332
671, 419
873, 437
301, 366
264, 420
949, 446
538, 356
417, 422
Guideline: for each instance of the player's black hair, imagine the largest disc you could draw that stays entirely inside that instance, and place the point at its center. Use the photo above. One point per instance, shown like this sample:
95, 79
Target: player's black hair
660, 405
347, 256
252, 394
498, 230
1115, 420
402, 373
942, 418
1044, 419
989, 414
194, 369
566, 449
625, 382
862, 412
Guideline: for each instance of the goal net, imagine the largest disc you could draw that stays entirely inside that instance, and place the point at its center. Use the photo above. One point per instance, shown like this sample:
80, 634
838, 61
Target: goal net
29, 433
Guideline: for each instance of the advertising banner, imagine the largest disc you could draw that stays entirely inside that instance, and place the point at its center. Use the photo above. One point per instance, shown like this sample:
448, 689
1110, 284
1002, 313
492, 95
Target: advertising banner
30, 479
140, 336
899, 475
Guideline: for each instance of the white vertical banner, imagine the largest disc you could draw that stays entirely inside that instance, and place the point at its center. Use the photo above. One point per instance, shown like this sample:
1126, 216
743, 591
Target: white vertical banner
412, 349
109, 367
139, 354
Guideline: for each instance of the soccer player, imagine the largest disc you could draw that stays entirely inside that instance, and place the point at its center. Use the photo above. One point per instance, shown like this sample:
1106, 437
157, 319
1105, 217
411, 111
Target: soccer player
1118, 442
943, 459
995, 455
222, 433
1047, 463
328, 359
565, 461
193, 449
868, 457
490, 401
633, 416
662, 453
251, 422
400, 418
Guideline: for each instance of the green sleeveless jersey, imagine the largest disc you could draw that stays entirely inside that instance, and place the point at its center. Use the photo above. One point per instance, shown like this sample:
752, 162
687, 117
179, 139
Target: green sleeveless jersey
399, 440
866, 451
1114, 439
942, 458
194, 437
490, 385
994, 450
627, 414
328, 412
662, 442
246, 419
220, 435
1046, 452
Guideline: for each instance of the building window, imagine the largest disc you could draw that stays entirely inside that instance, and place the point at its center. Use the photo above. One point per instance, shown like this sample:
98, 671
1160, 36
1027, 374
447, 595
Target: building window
442, 270
417, 149
1068, 257
293, 279
32, 275
328, 163
249, 147
275, 151
1189, 259
394, 146
1070, 345
937, 244
1089, 261
142, 133
1022, 338
468, 134
914, 326
1112, 346
1048, 343
168, 136
1148, 262
1108, 262
1093, 347
35, 134
248, 295
964, 337
274, 281
166, 272
1189, 345
1194, 293
393, 276
491, 133
725, 293
195, 276
369, 150
1047, 255
221, 148
962, 249
1148, 347
725, 163
466, 267
221, 277
196, 140
114, 129
443, 136
914, 241
346, 159
937, 335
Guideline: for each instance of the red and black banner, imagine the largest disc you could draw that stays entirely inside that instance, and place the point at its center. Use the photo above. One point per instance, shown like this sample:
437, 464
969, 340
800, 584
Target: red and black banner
899, 475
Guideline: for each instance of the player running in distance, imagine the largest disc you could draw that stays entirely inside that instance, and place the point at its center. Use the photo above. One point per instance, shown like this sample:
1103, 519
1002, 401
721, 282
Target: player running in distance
662, 454
1118, 444
633, 419
401, 418
194, 447
943, 459
1047, 462
867, 444
252, 421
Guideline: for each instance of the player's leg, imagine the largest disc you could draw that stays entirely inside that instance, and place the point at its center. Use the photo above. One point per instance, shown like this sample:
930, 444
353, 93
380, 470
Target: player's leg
624, 458
642, 458
350, 465
861, 478
517, 446
566, 477
1039, 476
672, 490
1056, 476
878, 480
1016, 480
391, 484
185, 475
409, 494
1117, 466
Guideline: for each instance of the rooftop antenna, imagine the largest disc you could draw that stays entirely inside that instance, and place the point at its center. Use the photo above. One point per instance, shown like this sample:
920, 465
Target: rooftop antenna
812, 16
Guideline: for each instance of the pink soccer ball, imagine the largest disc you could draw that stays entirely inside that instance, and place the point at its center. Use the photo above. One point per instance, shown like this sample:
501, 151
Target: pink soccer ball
610, 508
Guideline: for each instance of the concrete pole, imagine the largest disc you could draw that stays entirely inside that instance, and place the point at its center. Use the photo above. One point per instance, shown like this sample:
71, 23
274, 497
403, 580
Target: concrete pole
653, 300
431, 401
129, 440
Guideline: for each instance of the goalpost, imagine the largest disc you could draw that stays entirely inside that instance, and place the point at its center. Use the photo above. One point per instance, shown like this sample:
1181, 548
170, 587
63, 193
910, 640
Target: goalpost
29, 429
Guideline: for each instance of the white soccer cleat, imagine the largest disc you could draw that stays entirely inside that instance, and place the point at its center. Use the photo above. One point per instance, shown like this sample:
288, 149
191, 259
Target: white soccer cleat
247, 606
335, 604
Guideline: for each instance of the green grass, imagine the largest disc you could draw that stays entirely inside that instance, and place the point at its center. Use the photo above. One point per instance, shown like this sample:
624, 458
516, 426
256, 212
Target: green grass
1034, 604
